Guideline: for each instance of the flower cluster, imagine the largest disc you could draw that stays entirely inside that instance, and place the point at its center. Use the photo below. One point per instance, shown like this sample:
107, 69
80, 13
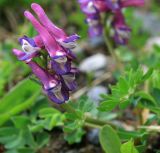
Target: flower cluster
93, 9
58, 77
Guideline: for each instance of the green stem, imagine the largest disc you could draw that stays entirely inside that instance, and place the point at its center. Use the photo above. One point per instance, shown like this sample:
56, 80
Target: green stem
89, 121
68, 108
93, 125
109, 44
112, 51
97, 121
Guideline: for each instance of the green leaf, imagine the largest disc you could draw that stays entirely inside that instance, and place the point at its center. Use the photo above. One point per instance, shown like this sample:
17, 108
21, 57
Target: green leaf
127, 135
123, 92
8, 131
148, 74
156, 95
146, 96
26, 150
128, 147
12, 151
109, 140
20, 98
21, 121
42, 139
16, 142
48, 112
74, 136
28, 138
108, 105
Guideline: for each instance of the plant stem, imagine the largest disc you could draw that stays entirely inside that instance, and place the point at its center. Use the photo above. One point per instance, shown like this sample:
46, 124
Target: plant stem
97, 121
93, 125
111, 50
89, 121
109, 44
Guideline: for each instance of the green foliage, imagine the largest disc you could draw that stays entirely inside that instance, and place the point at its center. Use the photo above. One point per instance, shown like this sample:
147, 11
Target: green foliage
128, 147
109, 140
27, 132
18, 99
123, 92
75, 119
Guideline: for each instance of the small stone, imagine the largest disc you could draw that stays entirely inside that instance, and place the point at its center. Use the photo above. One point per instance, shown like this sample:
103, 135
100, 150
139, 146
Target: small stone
93, 63
92, 136
97, 41
151, 42
95, 92
151, 22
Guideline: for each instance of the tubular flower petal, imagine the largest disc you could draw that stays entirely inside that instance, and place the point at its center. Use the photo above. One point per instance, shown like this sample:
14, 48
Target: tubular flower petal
59, 58
69, 79
128, 3
58, 77
51, 85
49, 41
59, 34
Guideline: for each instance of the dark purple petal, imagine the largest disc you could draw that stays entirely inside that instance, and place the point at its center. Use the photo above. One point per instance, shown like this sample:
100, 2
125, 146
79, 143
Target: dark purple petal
51, 84
113, 5
101, 5
30, 40
69, 80
127, 3
122, 31
61, 64
71, 38
58, 94
95, 31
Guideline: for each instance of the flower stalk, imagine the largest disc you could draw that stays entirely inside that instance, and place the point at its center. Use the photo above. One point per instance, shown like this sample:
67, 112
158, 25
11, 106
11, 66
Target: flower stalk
88, 120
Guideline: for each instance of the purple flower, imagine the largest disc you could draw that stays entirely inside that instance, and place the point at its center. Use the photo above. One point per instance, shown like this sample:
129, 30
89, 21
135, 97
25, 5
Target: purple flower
60, 36
69, 79
93, 8
122, 32
51, 84
128, 3
30, 49
92, 18
59, 77
95, 27
113, 5
61, 64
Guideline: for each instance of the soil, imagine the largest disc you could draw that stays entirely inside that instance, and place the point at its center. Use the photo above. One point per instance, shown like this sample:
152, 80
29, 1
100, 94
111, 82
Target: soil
59, 145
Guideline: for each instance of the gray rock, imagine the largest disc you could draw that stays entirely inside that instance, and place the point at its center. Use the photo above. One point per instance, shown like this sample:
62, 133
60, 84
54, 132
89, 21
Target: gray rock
95, 92
151, 22
93, 63
151, 42
92, 136
97, 41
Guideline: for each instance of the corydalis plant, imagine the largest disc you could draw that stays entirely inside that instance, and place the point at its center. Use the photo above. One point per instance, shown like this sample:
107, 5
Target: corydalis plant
93, 10
58, 78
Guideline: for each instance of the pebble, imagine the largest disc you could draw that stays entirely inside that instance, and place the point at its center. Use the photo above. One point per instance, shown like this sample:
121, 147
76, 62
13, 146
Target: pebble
151, 42
92, 136
94, 63
95, 92
151, 22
